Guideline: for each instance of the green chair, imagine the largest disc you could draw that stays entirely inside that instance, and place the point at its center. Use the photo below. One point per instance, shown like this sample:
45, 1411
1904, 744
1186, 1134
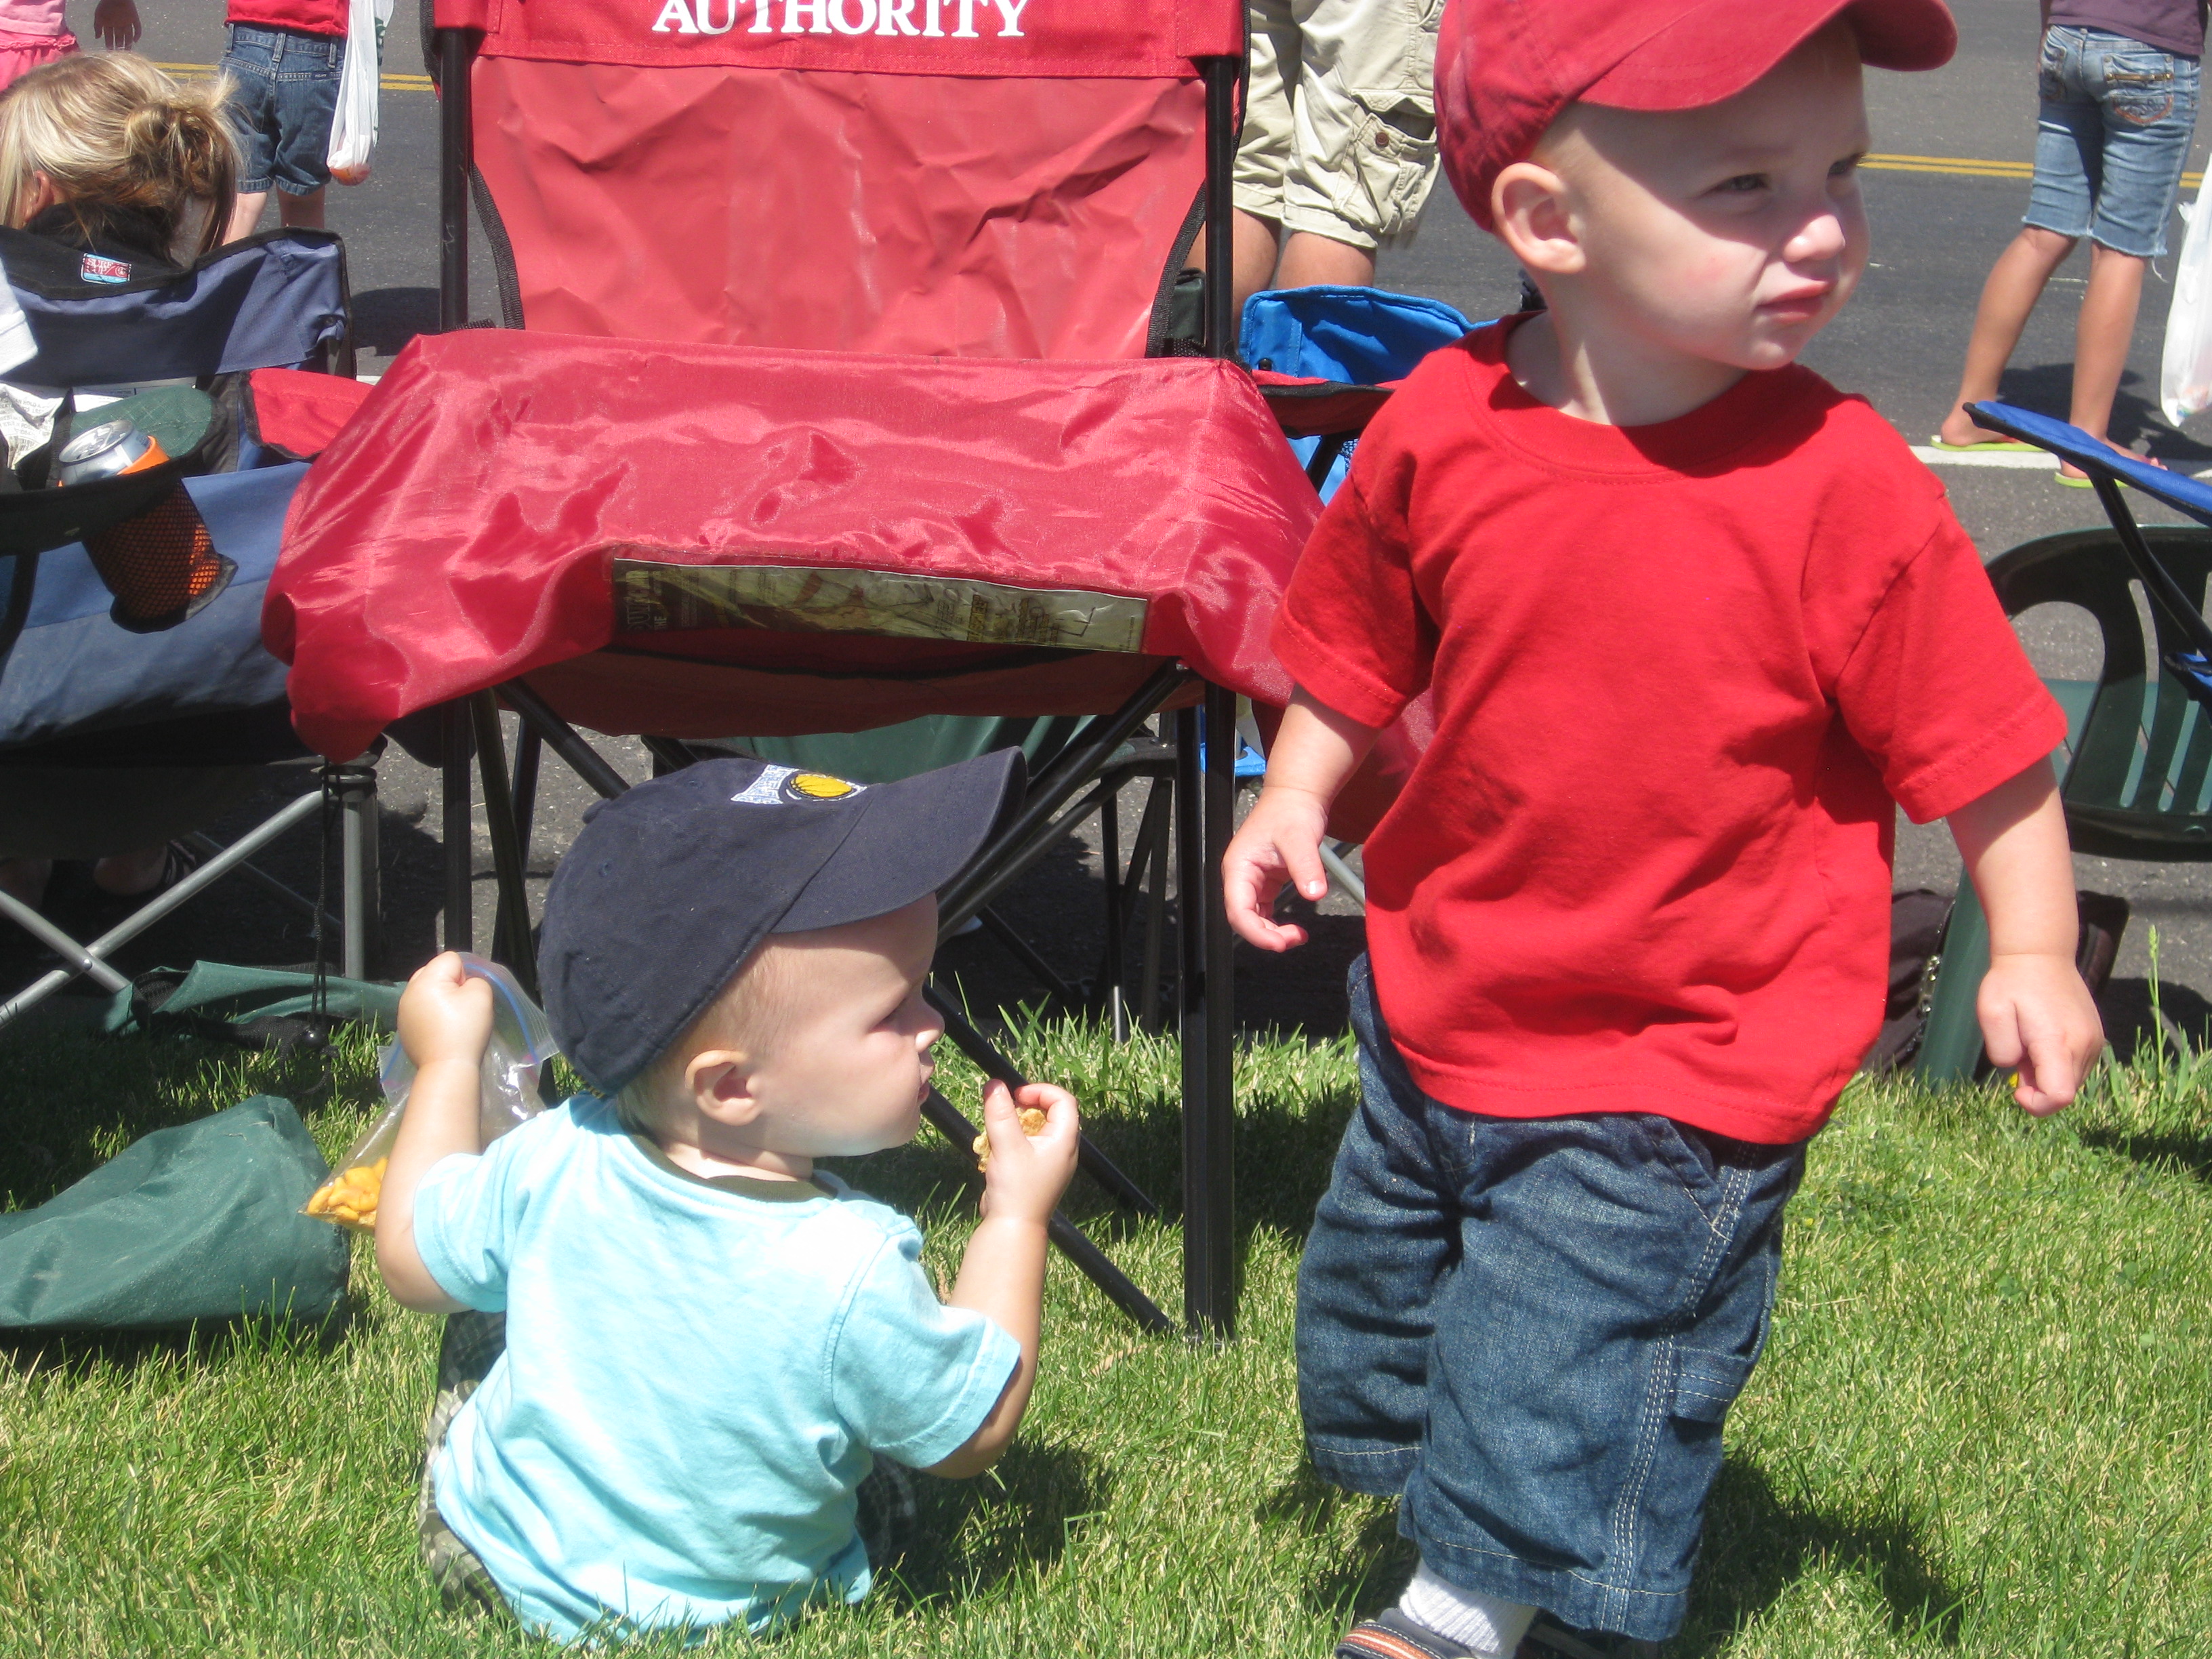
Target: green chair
2134, 772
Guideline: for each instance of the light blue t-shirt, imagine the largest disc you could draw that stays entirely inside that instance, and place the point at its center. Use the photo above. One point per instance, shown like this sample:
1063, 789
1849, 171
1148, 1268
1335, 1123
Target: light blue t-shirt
696, 1376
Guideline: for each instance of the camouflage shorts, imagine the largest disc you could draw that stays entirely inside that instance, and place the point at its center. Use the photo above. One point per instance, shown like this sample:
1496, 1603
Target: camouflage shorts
472, 1344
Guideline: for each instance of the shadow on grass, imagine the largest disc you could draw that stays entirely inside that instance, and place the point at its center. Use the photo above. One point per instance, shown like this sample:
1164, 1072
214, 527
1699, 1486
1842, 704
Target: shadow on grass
206, 1342
1757, 1542
970, 1535
2190, 1154
1362, 1580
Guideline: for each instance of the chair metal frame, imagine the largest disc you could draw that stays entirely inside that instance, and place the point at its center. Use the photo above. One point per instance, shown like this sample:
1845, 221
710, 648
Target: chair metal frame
1202, 797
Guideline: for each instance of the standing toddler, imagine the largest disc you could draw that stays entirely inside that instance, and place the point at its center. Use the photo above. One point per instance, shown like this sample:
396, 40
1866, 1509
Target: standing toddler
1696, 624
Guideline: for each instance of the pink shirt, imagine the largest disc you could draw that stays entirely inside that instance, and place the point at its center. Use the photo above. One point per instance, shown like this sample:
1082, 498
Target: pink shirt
33, 17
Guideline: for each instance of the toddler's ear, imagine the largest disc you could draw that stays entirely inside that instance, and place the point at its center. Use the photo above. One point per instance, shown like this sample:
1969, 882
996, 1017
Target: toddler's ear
1528, 203
720, 1085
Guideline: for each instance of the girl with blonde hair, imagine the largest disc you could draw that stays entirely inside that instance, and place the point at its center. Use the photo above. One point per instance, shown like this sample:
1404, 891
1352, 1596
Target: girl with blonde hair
109, 156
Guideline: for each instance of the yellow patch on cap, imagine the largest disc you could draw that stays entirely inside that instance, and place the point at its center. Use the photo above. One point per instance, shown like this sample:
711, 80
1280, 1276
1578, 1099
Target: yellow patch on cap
820, 786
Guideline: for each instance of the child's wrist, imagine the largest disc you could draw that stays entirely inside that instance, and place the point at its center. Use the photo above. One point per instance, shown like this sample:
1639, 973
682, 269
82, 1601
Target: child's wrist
1012, 1229
446, 1083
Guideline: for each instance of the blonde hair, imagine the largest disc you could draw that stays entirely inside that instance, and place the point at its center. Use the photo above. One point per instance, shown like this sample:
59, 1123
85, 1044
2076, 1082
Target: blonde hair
115, 135
748, 1014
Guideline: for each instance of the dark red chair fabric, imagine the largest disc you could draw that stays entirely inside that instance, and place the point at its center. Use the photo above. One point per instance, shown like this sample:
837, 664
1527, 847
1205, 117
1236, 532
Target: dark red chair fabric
969, 178
825, 540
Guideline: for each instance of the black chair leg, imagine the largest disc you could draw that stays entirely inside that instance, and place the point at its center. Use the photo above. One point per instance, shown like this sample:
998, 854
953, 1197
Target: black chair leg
511, 932
529, 751
1116, 1007
453, 740
1093, 1263
1152, 997
1204, 802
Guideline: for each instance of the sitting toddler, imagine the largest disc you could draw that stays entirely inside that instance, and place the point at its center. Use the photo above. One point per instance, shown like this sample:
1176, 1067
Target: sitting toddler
708, 1342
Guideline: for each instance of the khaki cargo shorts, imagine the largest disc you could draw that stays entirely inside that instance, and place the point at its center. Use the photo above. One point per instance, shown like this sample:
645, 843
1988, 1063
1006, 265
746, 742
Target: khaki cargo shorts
1340, 119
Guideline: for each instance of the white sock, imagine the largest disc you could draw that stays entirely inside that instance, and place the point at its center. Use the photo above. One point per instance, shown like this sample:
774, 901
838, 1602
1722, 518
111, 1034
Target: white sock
1491, 1627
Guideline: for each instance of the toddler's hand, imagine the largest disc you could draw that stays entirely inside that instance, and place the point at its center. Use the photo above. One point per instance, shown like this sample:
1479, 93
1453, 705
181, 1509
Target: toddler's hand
116, 23
2038, 1019
1279, 840
444, 1014
1026, 1175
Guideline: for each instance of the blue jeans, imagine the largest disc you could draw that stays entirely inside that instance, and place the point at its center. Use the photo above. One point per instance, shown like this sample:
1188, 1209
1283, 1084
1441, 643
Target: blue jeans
1532, 1328
284, 93
2111, 138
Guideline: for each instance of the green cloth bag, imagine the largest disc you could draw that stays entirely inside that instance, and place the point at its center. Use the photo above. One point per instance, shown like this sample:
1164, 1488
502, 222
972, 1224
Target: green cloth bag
216, 992
199, 1222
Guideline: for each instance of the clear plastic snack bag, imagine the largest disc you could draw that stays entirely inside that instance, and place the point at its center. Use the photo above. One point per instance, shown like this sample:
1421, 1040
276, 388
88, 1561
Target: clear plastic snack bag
521, 1043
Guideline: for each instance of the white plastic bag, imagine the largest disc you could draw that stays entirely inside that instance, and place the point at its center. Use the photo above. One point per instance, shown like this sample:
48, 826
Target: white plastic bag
521, 1043
353, 128
2185, 381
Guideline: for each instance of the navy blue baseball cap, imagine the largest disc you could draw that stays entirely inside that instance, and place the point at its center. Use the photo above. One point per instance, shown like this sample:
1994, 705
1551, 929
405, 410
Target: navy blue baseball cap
670, 887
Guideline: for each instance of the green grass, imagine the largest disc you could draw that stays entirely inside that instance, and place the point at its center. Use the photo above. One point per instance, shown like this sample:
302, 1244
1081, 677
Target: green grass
1981, 1428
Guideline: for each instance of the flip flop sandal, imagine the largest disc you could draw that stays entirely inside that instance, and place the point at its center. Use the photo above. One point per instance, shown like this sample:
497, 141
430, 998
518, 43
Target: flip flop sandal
2088, 483
1983, 447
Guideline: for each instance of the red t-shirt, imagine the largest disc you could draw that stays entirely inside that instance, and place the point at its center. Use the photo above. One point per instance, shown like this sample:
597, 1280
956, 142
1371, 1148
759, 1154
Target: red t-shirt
1681, 671
328, 17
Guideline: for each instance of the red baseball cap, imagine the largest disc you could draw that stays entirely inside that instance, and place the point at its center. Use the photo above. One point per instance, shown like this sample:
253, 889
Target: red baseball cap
1506, 68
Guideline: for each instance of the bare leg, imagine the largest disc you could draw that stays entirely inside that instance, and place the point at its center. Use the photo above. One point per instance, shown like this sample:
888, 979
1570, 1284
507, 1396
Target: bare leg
126, 875
1307, 260
1252, 259
245, 216
1313, 261
2015, 283
300, 212
25, 880
2102, 335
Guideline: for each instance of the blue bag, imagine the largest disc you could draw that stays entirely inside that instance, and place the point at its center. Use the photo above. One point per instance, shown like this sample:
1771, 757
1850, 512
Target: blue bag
1355, 335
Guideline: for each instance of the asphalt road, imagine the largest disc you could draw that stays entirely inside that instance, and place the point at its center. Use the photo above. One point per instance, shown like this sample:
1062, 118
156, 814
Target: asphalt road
1937, 225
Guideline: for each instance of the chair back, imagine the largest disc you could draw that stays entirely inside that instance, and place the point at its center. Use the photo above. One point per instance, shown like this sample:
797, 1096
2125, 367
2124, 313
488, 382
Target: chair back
2137, 783
275, 300
956, 178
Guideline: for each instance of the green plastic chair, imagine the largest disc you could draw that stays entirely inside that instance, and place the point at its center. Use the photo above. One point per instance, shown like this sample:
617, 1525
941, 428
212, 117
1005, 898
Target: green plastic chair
2134, 771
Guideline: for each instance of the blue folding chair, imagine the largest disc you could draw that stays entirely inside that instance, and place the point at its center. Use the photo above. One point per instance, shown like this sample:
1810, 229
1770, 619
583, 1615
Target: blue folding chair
1343, 340
2136, 773
88, 705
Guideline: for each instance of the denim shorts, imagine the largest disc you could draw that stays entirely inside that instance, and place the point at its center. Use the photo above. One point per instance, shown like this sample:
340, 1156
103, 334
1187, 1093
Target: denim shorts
1532, 1328
2111, 138
284, 91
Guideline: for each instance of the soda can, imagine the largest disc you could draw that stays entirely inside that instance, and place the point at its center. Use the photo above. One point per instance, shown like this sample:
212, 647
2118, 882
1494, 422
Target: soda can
108, 452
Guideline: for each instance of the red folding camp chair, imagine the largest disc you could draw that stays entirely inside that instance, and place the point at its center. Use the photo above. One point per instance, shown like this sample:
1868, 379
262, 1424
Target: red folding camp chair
807, 508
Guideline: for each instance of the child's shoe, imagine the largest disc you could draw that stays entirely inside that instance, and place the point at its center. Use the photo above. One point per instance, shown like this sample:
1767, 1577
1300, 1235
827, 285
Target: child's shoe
1390, 1635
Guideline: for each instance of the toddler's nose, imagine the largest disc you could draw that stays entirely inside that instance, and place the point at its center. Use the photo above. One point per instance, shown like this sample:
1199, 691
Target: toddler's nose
1820, 238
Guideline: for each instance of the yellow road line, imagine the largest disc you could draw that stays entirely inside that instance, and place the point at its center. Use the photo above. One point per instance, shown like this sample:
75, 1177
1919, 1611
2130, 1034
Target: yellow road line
1956, 166
1965, 166
390, 82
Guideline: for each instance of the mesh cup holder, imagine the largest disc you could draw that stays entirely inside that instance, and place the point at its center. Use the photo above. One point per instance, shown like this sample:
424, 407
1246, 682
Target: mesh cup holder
161, 565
